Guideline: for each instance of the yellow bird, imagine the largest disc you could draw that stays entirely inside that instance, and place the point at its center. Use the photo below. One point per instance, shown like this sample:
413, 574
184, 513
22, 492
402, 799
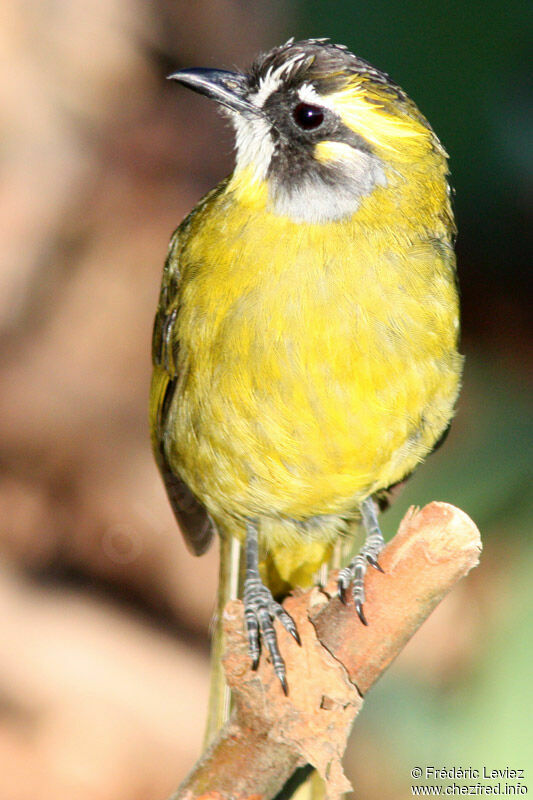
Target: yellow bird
305, 344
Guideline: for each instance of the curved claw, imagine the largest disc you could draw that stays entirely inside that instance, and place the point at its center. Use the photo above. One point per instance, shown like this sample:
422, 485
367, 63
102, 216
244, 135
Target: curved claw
375, 563
360, 612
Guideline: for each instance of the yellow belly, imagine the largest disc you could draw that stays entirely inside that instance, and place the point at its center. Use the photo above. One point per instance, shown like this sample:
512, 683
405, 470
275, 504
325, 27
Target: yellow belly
318, 364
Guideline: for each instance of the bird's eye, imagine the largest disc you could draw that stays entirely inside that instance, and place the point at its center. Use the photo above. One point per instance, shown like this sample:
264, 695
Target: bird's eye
308, 117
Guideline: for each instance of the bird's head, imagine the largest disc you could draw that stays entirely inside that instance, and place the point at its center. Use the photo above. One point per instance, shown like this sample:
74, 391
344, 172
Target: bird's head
319, 129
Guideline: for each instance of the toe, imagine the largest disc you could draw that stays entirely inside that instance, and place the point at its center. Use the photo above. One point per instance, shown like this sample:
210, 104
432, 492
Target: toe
287, 622
254, 644
343, 582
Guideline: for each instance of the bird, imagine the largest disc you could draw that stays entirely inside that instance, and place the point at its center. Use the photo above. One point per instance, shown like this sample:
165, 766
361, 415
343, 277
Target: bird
305, 345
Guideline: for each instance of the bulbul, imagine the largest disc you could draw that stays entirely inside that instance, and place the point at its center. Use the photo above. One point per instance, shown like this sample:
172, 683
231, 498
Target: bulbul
305, 343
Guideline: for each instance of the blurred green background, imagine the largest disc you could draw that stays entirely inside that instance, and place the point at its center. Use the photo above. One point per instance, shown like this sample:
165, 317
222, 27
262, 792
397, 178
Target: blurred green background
103, 635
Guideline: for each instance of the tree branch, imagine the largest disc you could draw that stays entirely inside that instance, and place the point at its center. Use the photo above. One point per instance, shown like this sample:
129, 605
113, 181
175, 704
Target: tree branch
270, 735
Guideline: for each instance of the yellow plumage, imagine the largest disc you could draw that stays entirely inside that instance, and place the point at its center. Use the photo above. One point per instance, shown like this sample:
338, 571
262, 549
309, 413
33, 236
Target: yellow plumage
318, 362
313, 363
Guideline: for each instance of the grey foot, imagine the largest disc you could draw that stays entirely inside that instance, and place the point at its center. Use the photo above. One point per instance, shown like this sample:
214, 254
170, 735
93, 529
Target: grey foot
260, 610
356, 570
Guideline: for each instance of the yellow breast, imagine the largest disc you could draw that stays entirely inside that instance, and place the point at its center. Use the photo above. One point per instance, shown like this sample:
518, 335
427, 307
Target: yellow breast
317, 363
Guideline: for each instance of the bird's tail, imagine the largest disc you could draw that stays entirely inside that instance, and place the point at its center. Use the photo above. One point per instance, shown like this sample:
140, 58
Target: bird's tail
229, 588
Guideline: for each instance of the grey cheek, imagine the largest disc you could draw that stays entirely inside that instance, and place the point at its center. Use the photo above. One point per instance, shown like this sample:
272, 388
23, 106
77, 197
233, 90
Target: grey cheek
313, 199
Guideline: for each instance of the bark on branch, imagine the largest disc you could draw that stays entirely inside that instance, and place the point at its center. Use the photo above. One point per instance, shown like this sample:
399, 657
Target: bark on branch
270, 735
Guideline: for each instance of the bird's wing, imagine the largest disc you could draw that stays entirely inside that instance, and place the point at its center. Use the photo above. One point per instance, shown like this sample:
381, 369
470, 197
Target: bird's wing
190, 514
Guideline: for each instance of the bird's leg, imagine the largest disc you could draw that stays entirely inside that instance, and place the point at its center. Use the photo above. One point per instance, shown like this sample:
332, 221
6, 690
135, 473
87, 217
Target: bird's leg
260, 609
356, 569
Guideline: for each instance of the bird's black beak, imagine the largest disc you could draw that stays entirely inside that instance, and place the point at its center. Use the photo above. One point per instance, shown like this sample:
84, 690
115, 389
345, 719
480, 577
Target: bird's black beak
227, 88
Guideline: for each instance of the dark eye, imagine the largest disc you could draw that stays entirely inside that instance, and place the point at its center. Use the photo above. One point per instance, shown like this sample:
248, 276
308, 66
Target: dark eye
308, 117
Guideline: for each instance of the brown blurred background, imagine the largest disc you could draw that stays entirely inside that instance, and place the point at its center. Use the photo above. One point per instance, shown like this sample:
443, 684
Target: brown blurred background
104, 616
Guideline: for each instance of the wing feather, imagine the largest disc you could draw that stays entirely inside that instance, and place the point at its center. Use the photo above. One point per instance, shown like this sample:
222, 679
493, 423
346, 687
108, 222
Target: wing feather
192, 518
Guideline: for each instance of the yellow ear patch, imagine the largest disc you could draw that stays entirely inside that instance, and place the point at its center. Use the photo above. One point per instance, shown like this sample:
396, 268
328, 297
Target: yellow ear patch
333, 151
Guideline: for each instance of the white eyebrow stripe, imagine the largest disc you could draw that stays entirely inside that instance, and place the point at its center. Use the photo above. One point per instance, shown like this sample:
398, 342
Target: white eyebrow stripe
267, 86
308, 94
273, 79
